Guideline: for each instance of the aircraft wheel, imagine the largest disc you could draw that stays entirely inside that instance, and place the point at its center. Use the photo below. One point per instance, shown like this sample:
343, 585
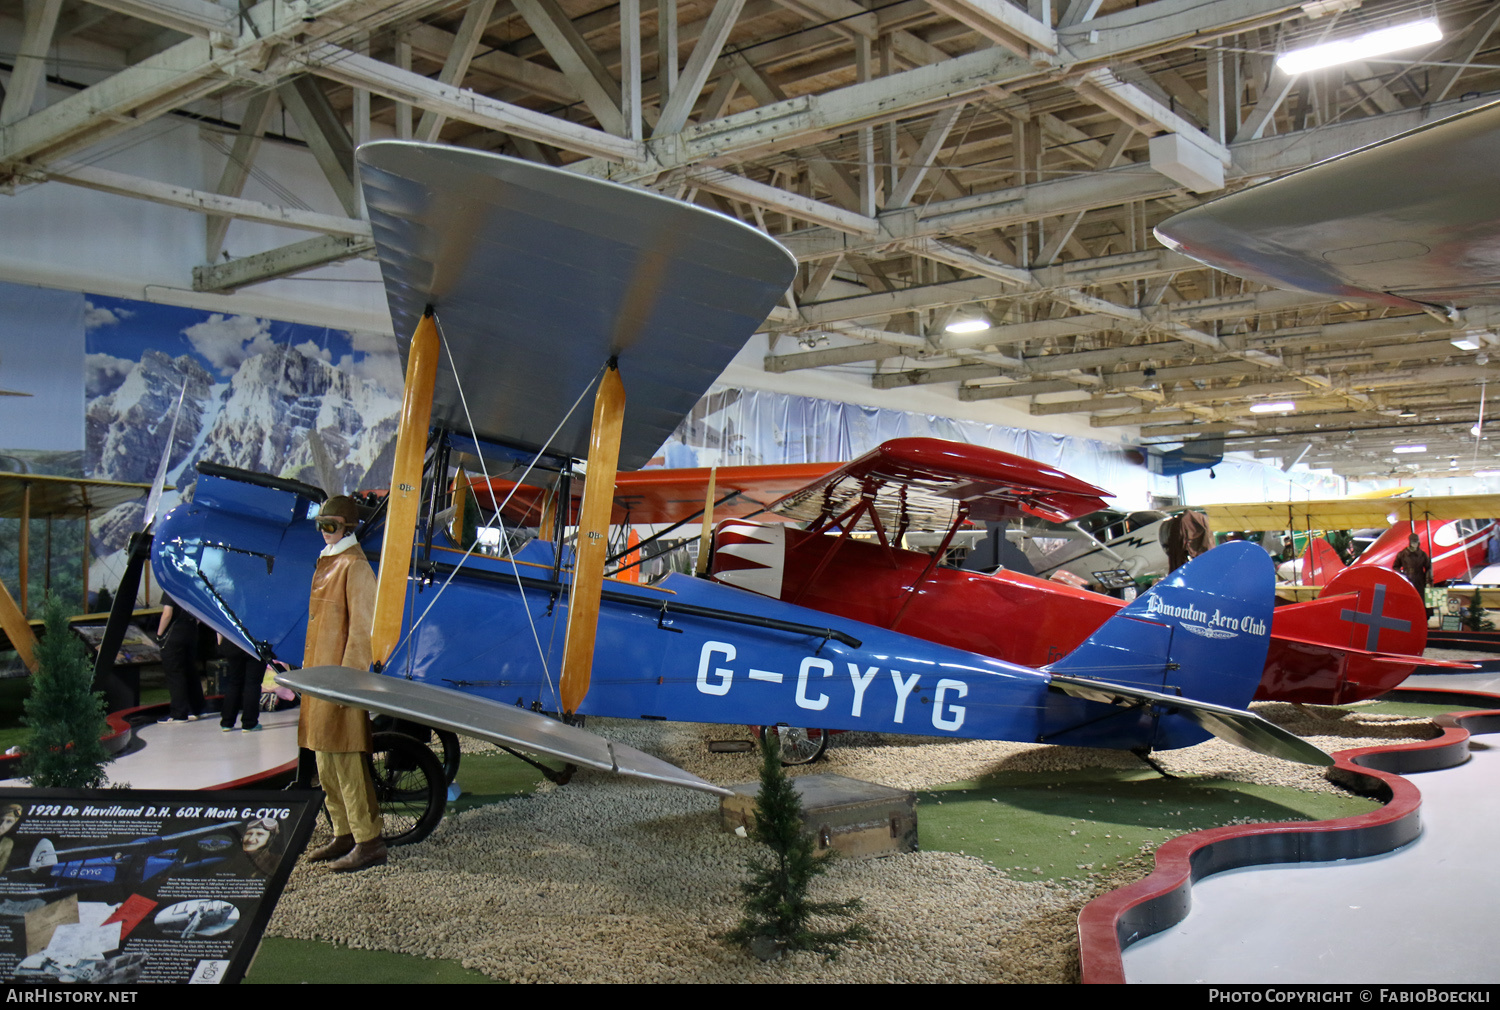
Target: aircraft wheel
445, 746
799, 746
452, 753
409, 786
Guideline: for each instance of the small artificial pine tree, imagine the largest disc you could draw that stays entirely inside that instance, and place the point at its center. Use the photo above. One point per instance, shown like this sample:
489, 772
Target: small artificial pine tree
64, 714
1475, 619
778, 913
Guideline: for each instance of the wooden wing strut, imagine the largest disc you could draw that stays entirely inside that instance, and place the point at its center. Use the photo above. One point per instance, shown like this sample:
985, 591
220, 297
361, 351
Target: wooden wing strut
593, 539
404, 502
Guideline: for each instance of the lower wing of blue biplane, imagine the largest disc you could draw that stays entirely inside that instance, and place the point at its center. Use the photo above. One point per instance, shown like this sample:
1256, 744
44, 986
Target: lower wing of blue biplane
505, 725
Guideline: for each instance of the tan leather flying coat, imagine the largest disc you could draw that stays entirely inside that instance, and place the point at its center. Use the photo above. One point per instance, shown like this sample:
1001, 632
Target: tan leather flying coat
339, 613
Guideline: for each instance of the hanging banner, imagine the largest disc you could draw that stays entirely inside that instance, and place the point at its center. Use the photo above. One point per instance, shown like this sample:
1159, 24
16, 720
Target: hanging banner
123, 886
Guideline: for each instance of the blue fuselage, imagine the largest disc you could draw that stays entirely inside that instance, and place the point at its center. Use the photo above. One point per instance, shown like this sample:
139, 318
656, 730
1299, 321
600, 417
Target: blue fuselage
241, 557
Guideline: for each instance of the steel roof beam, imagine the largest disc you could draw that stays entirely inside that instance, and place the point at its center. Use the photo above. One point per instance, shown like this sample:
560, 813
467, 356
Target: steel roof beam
578, 62
456, 65
467, 106
282, 262
190, 17
29, 65
199, 201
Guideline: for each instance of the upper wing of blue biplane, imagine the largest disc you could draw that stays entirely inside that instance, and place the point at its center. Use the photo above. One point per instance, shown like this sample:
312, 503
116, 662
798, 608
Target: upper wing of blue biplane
539, 275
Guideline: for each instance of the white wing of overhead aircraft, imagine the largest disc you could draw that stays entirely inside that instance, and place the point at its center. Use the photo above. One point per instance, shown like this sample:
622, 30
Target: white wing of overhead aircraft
1411, 222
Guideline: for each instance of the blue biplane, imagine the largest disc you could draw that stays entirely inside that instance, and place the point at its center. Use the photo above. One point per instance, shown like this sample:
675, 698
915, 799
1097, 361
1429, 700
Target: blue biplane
526, 288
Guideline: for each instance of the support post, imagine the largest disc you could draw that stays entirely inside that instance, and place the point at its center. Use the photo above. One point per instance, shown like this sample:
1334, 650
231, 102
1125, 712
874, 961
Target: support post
25, 548
404, 501
22, 638
706, 534
87, 534
592, 544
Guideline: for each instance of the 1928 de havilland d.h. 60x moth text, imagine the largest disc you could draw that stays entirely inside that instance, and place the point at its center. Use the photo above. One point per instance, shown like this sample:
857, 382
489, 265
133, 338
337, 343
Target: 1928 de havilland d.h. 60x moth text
525, 289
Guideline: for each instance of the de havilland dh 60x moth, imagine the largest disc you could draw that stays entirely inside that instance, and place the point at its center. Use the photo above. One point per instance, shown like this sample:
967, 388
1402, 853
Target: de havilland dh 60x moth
526, 288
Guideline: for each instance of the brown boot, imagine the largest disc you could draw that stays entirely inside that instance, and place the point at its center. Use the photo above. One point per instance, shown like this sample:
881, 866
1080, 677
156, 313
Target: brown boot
342, 845
364, 856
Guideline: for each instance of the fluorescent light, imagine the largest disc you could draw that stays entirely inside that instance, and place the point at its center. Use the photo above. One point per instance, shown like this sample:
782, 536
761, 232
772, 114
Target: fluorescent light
968, 326
1272, 408
1386, 40
1410, 448
1487, 473
1465, 343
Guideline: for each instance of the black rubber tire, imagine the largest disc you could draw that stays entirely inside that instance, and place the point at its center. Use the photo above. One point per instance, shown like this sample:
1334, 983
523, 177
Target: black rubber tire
409, 787
446, 741
799, 746
452, 754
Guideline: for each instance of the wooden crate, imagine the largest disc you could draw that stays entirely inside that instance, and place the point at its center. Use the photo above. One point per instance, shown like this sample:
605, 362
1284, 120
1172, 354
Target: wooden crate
855, 818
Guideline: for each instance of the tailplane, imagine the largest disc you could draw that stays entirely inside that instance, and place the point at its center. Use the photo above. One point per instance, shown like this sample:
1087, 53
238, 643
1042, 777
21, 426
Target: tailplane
1181, 662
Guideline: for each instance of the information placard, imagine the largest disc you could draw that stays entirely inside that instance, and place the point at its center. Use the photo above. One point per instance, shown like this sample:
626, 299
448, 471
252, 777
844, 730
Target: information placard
142, 886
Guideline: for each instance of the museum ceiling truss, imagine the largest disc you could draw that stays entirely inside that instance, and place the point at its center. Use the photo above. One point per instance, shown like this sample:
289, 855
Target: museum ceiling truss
927, 161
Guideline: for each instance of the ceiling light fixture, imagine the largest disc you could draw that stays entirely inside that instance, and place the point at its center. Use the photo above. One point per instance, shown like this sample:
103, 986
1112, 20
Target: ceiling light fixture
1410, 448
1280, 407
968, 326
1361, 47
1467, 342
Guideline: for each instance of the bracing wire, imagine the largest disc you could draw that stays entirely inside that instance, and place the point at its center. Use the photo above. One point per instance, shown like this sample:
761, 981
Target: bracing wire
463, 400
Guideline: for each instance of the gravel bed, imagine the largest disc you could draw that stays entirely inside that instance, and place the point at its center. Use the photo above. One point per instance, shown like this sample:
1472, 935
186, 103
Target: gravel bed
610, 880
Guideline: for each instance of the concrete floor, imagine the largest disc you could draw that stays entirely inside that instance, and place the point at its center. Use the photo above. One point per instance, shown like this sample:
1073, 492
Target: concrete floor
1423, 914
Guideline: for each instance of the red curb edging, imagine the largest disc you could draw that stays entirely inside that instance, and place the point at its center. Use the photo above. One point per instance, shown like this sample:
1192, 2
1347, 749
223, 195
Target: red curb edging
1113, 921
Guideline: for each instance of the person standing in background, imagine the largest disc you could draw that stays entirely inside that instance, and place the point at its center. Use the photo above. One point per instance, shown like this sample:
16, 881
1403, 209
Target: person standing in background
178, 632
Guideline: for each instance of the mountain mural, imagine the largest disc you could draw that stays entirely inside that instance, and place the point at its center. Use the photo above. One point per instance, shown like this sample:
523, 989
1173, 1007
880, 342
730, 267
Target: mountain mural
125, 430
293, 415
308, 403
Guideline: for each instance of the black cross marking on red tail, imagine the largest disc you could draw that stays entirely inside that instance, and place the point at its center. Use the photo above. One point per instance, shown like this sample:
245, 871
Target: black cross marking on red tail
1375, 620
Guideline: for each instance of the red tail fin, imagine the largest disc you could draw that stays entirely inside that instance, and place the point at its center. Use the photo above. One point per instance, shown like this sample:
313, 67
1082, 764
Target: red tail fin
1321, 649
1386, 614
1320, 563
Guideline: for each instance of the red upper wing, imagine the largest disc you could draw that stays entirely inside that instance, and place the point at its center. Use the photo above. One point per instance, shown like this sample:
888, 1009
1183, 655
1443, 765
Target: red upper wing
927, 480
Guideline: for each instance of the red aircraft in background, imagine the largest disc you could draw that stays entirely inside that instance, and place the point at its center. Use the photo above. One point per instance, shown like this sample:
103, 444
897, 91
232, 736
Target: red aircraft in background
1454, 530
1456, 548
1360, 638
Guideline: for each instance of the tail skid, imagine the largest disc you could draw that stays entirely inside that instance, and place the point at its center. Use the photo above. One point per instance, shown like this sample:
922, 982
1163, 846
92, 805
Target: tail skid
1190, 652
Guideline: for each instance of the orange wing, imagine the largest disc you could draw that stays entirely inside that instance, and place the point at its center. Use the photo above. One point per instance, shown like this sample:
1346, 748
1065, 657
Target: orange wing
667, 496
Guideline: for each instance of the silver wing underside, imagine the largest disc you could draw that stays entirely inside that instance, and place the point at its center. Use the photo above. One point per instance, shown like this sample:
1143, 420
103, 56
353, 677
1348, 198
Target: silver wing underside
539, 276
1234, 725
505, 725
1413, 219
